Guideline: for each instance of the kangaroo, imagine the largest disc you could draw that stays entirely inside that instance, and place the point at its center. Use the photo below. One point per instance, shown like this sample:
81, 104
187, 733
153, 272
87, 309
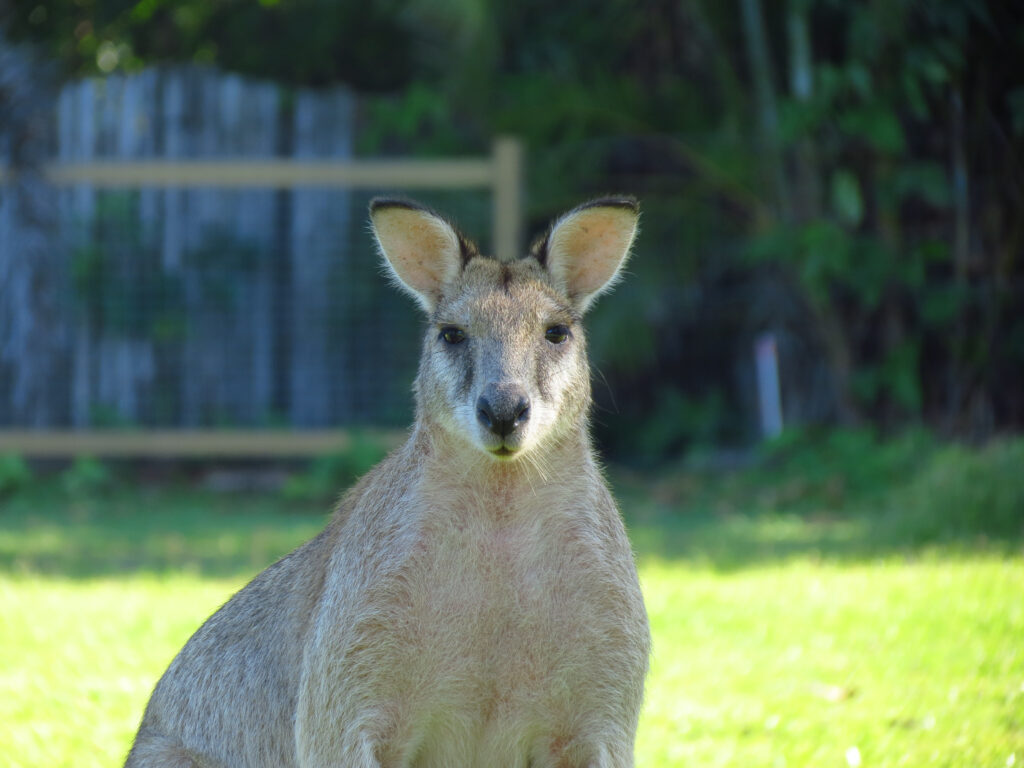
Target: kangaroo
473, 600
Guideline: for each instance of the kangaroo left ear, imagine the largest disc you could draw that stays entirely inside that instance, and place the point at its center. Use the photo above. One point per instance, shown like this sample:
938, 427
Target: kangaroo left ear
423, 251
587, 247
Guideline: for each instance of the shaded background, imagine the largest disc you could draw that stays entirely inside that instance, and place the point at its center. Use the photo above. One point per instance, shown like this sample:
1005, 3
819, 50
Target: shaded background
846, 176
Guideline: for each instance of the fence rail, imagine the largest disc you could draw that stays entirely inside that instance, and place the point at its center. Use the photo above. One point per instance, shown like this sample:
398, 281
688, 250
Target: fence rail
169, 444
259, 172
501, 172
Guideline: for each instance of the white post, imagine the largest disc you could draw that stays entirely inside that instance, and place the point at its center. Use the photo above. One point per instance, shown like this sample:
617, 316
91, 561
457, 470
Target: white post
769, 398
508, 197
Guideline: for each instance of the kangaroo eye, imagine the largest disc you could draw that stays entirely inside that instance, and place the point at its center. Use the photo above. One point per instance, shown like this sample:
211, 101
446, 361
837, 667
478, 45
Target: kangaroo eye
453, 335
556, 334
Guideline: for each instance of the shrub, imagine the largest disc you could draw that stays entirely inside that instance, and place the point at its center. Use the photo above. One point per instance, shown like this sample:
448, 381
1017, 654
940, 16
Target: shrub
86, 477
329, 475
847, 466
14, 474
965, 492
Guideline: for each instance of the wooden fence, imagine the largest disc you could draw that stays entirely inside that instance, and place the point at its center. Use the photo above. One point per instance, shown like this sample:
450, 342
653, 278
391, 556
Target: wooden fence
501, 174
177, 155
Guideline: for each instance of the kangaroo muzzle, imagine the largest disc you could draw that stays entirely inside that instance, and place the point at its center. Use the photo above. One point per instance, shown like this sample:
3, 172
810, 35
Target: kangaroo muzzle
502, 409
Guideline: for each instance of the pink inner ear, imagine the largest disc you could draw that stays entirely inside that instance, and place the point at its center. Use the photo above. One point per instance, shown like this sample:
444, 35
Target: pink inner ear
422, 249
421, 267
600, 247
590, 247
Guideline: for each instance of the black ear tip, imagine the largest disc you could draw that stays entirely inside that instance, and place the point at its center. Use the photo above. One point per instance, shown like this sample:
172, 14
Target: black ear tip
613, 201
380, 203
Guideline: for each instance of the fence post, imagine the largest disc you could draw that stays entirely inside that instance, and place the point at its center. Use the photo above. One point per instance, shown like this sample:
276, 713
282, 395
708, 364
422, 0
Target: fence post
769, 396
508, 196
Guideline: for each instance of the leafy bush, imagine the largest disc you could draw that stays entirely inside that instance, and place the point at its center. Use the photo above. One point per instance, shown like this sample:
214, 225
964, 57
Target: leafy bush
847, 466
14, 474
87, 477
329, 475
966, 492
678, 423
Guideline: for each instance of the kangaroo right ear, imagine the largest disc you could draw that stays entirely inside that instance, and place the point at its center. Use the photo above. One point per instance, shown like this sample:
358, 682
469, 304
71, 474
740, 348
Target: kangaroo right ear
422, 250
587, 247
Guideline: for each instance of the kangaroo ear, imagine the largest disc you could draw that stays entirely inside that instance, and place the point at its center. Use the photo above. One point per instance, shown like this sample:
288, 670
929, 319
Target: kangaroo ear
422, 250
586, 248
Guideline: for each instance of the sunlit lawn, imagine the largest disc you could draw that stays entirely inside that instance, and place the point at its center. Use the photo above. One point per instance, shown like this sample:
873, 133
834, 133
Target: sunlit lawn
816, 650
808, 664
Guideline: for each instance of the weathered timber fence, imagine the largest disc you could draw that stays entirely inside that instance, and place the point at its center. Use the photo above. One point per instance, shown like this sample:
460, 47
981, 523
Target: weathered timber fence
209, 288
501, 173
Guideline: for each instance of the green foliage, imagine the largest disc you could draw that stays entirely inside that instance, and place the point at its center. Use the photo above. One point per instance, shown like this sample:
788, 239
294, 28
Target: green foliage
895, 377
106, 416
847, 200
891, 81
902, 492
413, 120
328, 476
310, 42
964, 493
841, 468
14, 474
86, 478
677, 423
925, 180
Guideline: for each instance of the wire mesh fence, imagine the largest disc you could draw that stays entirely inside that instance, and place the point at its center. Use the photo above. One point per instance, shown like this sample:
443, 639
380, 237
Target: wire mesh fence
232, 292
275, 313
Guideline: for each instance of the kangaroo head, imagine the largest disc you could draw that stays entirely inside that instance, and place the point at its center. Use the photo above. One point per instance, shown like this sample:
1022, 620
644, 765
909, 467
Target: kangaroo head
504, 364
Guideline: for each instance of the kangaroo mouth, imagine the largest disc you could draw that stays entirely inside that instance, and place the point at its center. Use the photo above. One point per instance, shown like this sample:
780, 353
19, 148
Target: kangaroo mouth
502, 447
505, 452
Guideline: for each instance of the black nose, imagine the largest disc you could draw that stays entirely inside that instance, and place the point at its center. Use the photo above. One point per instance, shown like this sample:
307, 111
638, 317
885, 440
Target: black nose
502, 408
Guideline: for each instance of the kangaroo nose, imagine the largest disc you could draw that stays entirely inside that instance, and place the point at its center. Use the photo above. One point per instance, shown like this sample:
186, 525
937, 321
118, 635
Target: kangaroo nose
502, 408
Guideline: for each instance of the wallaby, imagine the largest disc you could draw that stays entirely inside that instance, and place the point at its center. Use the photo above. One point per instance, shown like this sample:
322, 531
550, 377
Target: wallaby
473, 600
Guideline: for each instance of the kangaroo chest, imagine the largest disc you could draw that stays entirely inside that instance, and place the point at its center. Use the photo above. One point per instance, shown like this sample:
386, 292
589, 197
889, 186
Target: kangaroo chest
497, 626
492, 593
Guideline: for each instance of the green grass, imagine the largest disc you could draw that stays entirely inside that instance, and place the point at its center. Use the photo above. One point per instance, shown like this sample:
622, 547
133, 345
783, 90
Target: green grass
791, 626
80, 658
794, 664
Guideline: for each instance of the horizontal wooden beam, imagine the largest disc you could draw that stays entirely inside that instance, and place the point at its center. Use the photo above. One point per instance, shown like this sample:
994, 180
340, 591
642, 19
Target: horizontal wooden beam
249, 173
181, 444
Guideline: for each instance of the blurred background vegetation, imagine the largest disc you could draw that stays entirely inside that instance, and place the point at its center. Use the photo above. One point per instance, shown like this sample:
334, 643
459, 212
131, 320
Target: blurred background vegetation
844, 175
